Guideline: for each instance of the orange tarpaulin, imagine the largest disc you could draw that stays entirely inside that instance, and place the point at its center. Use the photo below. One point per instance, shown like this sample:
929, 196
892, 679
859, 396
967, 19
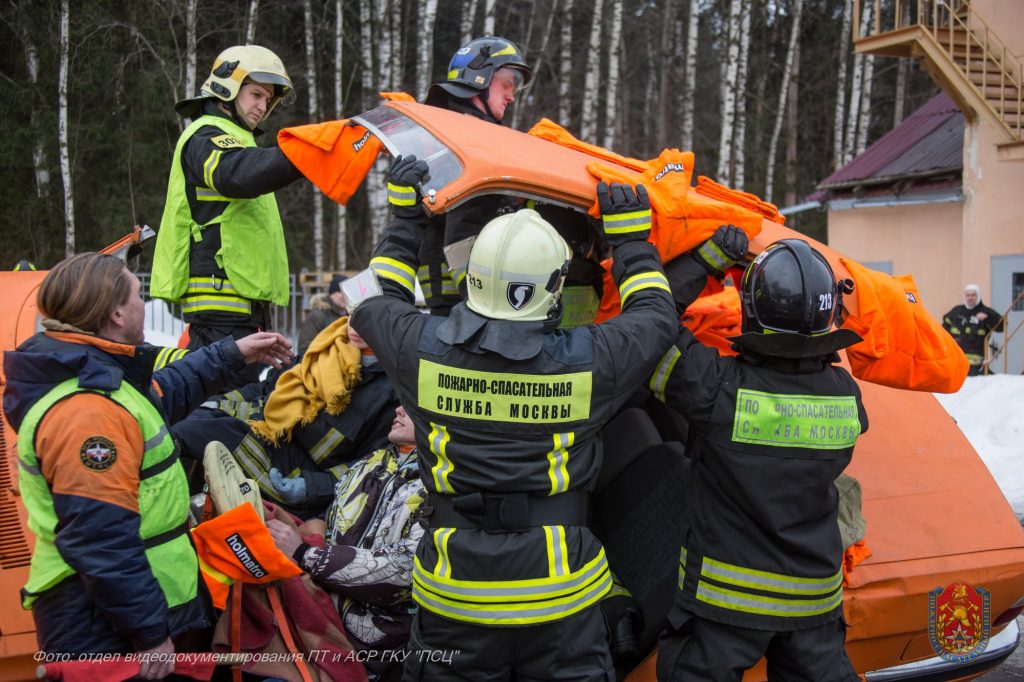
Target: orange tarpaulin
903, 346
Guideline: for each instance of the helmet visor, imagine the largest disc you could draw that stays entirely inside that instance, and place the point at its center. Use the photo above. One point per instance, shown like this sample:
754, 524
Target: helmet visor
513, 77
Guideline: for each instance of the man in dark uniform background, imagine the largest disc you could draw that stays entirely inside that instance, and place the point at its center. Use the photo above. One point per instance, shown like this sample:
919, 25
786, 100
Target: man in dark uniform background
970, 324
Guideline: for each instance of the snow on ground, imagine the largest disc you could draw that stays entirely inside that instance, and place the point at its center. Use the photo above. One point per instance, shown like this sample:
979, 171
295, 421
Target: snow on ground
990, 412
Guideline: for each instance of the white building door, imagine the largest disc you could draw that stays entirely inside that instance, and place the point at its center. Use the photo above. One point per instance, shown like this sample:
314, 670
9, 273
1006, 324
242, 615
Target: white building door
1007, 284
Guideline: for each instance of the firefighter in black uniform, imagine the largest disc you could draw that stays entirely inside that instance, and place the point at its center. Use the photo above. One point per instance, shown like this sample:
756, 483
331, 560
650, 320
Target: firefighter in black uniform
970, 325
483, 78
770, 430
508, 411
220, 250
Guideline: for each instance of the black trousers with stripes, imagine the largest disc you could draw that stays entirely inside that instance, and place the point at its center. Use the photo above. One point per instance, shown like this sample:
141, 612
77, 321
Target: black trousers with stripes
443, 650
700, 650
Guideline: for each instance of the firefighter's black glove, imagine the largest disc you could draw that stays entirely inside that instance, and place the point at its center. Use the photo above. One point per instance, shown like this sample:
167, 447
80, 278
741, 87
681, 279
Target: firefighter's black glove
404, 179
727, 245
625, 213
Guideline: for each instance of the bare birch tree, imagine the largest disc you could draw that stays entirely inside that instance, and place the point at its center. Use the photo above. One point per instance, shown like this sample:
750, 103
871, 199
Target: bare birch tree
565, 65
864, 109
397, 45
38, 151
864, 122
190, 48
792, 128
611, 118
665, 58
899, 106
340, 233
690, 75
250, 21
366, 48
468, 19
853, 117
377, 193
728, 93
588, 125
787, 70
62, 132
425, 49
314, 114
489, 17
839, 120
740, 141
538, 60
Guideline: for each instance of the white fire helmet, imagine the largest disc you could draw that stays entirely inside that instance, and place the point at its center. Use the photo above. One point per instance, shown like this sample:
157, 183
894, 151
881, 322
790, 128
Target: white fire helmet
517, 267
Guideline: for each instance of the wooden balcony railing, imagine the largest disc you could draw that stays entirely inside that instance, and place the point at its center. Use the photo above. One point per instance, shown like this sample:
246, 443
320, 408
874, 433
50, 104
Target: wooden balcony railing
969, 43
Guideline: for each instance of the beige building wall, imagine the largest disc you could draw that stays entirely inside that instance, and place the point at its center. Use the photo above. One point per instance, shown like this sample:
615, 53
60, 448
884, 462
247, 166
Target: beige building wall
923, 240
993, 205
1004, 17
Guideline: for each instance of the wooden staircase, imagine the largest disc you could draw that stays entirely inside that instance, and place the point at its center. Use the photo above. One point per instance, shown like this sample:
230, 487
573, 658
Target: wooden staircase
961, 52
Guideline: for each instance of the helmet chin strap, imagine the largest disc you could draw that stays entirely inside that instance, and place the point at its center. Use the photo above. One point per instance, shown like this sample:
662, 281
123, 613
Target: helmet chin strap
482, 98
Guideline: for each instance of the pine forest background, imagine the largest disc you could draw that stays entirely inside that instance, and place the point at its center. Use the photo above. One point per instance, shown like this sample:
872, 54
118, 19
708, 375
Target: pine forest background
767, 93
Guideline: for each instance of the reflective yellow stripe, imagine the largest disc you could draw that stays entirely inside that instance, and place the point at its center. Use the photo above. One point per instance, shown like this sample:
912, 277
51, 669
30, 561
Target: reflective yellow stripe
558, 553
505, 50
209, 570
659, 379
253, 460
423, 275
713, 255
209, 167
645, 280
205, 194
161, 358
558, 462
395, 270
401, 196
229, 304
210, 285
454, 73
682, 566
326, 445
766, 581
513, 602
624, 223
767, 606
439, 446
444, 566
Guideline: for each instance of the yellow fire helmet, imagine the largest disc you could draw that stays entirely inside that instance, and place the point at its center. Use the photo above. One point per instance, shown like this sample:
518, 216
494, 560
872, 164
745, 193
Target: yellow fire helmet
517, 267
235, 66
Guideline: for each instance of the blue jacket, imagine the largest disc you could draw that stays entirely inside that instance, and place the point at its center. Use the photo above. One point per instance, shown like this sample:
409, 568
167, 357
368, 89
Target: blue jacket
98, 609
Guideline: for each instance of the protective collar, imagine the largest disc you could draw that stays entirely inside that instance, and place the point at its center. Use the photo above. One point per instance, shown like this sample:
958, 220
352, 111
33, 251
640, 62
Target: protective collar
478, 334
785, 345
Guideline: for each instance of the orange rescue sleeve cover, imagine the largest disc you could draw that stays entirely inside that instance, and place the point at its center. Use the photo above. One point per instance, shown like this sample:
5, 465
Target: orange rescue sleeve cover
752, 202
335, 156
237, 546
903, 346
546, 129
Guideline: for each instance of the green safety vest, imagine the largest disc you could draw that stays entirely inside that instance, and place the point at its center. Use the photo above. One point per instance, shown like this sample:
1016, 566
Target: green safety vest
252, 248
163, 501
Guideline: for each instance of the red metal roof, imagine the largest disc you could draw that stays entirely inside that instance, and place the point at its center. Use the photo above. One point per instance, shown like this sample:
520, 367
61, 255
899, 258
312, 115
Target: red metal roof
928, 142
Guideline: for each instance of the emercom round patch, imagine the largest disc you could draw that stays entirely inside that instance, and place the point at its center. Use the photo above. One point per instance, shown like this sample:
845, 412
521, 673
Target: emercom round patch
98, 453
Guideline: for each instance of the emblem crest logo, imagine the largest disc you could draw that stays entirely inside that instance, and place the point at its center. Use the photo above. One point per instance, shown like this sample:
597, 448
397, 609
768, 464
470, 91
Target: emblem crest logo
519, 294
98, 453
959, 621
